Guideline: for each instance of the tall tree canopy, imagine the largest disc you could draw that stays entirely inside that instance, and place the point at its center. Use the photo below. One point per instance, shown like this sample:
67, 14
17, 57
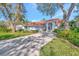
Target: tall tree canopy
13, 13
20, 12
48, 9
51, 8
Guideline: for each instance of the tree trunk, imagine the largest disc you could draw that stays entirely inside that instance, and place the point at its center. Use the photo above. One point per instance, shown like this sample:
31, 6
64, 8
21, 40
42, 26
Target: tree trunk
12, 25
66, 15
66, 25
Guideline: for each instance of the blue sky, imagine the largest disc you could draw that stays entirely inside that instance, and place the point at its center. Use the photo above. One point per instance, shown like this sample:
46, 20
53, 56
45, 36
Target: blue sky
34, 15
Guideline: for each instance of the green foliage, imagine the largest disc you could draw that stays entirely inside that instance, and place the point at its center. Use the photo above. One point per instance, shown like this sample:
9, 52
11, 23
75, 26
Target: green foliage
4, 29
7, 36
20, 30
64, 33
74, 38
48, 9
13, 12
70, 35
57, 30
72, 24
59, 47
76, 29
23, 31
34, 31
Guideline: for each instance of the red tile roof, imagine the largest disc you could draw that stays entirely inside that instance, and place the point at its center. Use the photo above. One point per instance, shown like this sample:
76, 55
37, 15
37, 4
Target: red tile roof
40, 23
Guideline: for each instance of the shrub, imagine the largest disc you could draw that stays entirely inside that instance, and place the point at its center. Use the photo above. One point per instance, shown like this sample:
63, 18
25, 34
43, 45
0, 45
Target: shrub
74, 38
76, 29
4, 29
21, 30
34, 31
63, 33
70, 35
56, 30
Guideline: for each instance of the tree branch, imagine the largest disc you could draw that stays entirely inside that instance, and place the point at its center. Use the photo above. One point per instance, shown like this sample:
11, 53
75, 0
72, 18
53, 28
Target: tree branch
63, 10
70, 10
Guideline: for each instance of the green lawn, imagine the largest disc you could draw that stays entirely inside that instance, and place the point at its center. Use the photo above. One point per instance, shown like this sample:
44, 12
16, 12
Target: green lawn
58, 47
9, 35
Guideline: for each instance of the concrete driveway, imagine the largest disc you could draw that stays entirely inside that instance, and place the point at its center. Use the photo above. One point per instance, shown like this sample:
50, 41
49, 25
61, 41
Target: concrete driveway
25, 46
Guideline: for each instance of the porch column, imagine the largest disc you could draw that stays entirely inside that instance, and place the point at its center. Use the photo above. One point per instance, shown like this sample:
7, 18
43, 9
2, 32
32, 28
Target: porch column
47, 27
51, 27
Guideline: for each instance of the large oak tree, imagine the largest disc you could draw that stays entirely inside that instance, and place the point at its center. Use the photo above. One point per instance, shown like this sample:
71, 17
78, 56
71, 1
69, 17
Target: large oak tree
50, 9
13, 13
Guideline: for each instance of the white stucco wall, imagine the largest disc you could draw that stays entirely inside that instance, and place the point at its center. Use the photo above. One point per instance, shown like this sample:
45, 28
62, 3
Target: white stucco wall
33, 28
18, 27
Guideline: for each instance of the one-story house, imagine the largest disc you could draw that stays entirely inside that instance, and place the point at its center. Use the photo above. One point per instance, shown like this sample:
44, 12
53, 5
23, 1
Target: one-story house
20, 27
44, 25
